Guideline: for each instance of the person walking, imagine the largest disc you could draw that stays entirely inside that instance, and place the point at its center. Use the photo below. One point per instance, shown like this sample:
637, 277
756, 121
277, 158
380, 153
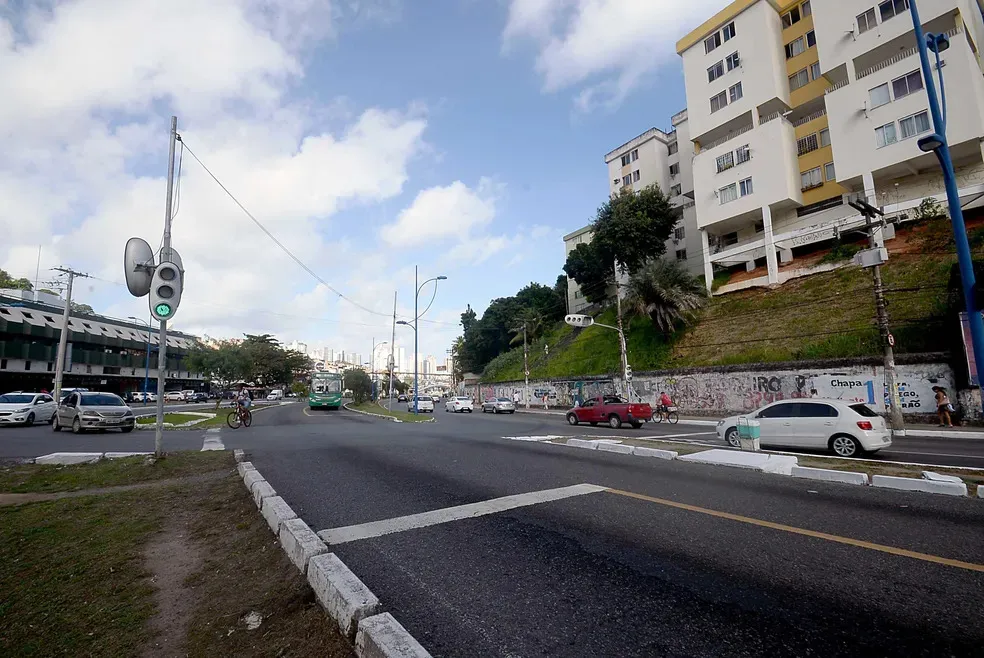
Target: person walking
943, 406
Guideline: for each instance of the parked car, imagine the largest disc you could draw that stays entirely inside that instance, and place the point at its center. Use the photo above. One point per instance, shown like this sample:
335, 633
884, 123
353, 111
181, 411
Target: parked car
199, 397
424, 404
26, 408
275, 394
498, 406
459, 405
174, 396
847, 429
402, 398
93, 411
610, 409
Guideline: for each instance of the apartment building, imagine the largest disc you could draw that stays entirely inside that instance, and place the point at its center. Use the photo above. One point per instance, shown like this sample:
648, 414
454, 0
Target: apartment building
796, 106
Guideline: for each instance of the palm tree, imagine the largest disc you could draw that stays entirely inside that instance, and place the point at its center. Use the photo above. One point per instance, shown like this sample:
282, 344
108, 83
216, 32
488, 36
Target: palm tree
665, 292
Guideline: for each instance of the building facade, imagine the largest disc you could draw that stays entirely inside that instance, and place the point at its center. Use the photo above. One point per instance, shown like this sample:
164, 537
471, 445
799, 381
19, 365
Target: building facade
796, 107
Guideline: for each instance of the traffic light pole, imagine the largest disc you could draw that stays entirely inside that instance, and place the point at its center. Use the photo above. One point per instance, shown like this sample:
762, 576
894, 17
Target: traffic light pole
165, 257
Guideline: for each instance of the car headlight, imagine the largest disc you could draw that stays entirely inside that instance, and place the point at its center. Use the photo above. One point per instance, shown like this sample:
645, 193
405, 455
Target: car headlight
720, 422
91, 416
23, 411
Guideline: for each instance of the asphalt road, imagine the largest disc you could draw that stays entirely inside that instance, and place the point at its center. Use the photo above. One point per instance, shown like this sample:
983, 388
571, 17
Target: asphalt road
681, 560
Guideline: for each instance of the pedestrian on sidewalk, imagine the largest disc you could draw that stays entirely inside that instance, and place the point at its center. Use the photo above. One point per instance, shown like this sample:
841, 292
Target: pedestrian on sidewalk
545, 405
516, 398
943, 406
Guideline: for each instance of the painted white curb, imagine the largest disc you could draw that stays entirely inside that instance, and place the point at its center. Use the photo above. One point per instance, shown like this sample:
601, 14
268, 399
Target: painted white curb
275, 510
122, 455
827, 475
242, 467
239, 455
69, 458
937, 477
980, 491
300, 543
615, 447
381, 636
250, 478
756, 461
914, 484
341, 593
654, 452
260, 490
581, 443
395, 420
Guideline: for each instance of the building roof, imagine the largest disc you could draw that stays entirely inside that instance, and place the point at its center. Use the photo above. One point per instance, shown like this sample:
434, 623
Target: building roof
717, 20
636, 141
580, 231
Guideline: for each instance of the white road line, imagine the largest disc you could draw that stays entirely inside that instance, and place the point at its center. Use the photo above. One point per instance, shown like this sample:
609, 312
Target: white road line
933, 454
213, 441
402, 523
675, 436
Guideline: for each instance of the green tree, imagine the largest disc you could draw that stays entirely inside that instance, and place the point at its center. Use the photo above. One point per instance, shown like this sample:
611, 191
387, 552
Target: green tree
85, 309
560, 287
357, 381
593, 271
7, 281
666, 293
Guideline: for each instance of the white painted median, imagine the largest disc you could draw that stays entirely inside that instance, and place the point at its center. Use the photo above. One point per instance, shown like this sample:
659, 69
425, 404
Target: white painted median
756, 461
916, 484
340, 592
276, 511
381, 636
828, 475
300, 543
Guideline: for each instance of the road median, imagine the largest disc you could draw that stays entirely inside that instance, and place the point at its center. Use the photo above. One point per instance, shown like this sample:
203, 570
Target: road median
373, 409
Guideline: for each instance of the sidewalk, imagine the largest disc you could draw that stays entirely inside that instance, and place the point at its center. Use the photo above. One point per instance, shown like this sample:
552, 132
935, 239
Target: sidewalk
914, 429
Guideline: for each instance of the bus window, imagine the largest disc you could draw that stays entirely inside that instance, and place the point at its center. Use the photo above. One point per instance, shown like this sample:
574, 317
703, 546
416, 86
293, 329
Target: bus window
319, 387
334, 386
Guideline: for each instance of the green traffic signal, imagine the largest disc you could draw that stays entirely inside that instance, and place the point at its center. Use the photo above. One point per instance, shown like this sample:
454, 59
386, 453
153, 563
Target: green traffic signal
163, 310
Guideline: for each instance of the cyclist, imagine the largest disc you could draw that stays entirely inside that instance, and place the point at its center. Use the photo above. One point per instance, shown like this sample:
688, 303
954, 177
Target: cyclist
664, 405
244, 399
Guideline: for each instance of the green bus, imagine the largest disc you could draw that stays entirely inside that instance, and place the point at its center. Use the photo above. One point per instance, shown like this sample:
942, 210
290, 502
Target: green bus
325, 391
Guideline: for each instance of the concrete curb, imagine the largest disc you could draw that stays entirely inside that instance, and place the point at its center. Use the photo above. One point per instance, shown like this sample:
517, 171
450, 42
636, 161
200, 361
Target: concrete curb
381, 636
300, 543
620, 448
250, 478
276, 511
69, 458
980, 491
242, 467
341, 593
655, 452
261, 490
582, 443
827, 475
915, 484
395, 420
239, 455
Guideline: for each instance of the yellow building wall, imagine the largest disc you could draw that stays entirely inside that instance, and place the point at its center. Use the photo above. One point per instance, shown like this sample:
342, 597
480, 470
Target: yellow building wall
813, 159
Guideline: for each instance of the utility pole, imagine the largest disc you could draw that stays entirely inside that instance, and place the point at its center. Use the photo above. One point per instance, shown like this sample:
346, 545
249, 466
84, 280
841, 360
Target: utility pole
63, 337
526, 368
166, 258
621, 334
392, 359
869, 213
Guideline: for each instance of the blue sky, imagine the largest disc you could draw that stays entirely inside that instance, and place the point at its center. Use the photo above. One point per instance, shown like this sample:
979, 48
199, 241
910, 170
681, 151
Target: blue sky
463, 136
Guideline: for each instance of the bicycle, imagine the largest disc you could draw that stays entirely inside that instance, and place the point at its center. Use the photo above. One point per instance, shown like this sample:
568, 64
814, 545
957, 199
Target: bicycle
670, 413
239, 416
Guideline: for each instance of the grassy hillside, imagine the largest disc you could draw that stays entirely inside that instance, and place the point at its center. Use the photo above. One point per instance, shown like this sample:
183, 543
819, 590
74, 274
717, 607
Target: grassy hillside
828, 315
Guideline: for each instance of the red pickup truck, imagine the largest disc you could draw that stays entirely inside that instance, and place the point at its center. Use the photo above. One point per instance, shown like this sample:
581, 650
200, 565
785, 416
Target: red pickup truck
610, 409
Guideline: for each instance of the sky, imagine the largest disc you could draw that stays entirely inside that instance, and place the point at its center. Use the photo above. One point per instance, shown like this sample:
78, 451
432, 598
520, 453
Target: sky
461, 137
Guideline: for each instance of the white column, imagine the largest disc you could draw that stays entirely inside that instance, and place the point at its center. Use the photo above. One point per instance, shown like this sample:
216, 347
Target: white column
770, 246
706, 255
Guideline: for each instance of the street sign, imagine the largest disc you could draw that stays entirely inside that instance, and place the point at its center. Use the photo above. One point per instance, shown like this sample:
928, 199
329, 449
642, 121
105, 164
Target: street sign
891, 340
579, 320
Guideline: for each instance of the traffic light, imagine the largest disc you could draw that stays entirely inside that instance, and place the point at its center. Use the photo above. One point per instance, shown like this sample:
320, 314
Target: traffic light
165, 291
628, 373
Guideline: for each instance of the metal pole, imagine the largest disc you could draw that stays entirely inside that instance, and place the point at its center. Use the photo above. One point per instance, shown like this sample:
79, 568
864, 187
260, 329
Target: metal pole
416, 323
63, 337
621, 335
967, 278
165, 257
526, 368
392, 363
372, 371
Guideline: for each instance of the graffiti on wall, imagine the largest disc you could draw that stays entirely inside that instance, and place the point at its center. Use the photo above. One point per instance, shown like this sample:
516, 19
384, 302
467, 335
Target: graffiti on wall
558, 393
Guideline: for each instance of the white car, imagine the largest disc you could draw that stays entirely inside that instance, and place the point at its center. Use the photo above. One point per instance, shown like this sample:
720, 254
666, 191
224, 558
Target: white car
459, 405
26, 408
848, 429
174, 396
424, 404
276, 394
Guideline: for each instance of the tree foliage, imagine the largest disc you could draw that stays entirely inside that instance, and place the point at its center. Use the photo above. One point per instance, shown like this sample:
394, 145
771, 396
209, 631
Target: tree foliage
7, 281
666, 293
82, 308
630, 228
259, 360
357, 381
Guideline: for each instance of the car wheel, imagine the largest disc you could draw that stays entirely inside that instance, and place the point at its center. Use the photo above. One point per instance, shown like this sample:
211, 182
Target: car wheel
30, 420
495, 410
614, 421
572, 419
76, 426
636, 425
731, 436
55, 427
844, 445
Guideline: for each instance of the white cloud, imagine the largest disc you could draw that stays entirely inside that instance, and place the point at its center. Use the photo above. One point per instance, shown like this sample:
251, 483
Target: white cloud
606, 48
453, 210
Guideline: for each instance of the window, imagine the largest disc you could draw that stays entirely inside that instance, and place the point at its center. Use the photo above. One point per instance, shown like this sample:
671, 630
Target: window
27, 315
27, 365
726, 161
728, 239
715, 71
917, 123
892, 8
627, 179
681, 254
626, 160
795, 47
577, 294
760, 227
885, 135
729, 31
732, 61
783, 410
734, 91
635, 176
824, 137
51, 366
815, 410
798, 79
713, 41
828, 172
790, 17
805, 9
728, 194
674, 169
742, 154
679, 233
4, 311
806, 144
907, 84
879, 95
811, 39
866, 21
49, 318
635, 154
676, 190
719, 101
815, 71
3, 364
810, 179
863, 410
672, 148
745, 187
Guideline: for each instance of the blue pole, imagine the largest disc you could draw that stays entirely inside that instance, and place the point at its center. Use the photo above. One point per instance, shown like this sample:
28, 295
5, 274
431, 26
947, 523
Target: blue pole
416, 321
964, 258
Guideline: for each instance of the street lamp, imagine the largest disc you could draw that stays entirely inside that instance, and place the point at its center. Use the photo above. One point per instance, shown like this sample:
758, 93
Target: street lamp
582, 321
147, 361
372, 362
416, 322
408, 324
936, 142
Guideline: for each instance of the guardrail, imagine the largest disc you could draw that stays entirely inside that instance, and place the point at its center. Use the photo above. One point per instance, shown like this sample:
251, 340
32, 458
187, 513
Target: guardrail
810, 117
729, 136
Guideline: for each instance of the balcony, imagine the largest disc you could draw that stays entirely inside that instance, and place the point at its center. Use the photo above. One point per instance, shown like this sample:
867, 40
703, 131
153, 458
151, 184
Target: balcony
905, 54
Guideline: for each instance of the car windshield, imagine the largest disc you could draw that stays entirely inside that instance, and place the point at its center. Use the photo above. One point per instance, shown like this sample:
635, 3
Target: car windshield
463, 399
101, 400
863, 410
504, 400
11, 398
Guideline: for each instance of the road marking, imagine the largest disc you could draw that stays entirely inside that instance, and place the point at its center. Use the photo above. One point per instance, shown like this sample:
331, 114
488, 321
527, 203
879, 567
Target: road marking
970, 566
935, 454
213, 441
402, 523
675, 436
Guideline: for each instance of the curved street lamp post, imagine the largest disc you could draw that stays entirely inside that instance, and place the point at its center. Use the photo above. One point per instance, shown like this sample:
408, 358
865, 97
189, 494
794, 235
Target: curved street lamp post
416, 321
147, 361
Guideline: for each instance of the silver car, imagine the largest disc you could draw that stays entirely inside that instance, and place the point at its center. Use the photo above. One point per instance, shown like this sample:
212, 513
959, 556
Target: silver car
498, 406
83, 411
26, 408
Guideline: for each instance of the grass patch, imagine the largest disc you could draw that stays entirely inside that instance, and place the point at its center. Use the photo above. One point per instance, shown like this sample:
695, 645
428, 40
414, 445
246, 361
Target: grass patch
840, 253
373, 408
75, 580
31, 478
173, 418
